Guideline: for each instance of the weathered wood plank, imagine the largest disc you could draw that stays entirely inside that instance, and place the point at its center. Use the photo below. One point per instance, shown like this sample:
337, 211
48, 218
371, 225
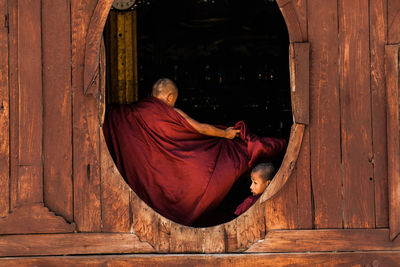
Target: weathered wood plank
34, 218
67, 244
145, 221
378, 26
57, 146
325, 114
305, 209
186, 239
288, 163
293, 18
281, 210
301, 11
250, 226
299, 79
326, 240
275, 241
355, 105
393, 22
115, 195
13, 85
264, 259
30, 103
86, 162
98, 17
214, 240
4, 117
393, 135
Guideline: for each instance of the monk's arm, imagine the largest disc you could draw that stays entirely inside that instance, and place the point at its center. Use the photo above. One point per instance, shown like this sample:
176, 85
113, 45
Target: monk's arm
208, 129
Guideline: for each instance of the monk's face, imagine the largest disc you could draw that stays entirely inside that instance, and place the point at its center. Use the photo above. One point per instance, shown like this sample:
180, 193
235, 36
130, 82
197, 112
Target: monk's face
258, 184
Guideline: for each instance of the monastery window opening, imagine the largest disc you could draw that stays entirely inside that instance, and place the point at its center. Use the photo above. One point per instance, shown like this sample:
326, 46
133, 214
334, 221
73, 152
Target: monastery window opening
228, 59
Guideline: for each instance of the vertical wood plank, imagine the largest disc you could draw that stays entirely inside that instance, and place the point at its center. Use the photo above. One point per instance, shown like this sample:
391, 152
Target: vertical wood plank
248, 229
214, 239
4, 116
281, 210
115, 195
86, 135
186, 239
13, 85
355, 101
299, 79
378, 26
393, 128
325, 114
30, 98
301, 10
393, 21
57, 107
305, 208
121, 57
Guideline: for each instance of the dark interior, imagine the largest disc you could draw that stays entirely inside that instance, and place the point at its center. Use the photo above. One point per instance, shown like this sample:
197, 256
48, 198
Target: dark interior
229, 60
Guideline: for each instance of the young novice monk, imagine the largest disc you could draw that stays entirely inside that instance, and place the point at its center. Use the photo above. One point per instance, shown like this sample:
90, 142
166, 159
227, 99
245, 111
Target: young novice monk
261, 176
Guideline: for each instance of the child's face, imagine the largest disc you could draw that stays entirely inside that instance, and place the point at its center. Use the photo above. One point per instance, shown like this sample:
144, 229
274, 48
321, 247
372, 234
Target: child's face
257, 183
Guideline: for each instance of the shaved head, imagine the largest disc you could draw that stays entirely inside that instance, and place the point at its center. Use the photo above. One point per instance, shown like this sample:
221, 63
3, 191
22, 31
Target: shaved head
266, 170
164, 86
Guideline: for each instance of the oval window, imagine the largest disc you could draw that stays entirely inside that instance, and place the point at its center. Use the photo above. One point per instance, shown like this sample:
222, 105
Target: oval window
228, 60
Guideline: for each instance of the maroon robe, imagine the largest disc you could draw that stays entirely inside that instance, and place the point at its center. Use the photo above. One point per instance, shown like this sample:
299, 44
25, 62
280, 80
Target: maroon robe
177, 171
246, 204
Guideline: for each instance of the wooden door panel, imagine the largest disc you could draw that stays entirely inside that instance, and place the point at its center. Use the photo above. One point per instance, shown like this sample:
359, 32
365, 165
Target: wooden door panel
4, 116
57, 135
393, 136
28, 213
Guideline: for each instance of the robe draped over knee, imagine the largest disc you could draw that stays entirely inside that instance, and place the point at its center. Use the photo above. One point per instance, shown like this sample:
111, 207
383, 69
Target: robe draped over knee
177, 171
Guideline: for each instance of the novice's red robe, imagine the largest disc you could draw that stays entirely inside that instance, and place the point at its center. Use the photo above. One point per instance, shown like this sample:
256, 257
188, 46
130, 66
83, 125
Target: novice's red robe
177, 171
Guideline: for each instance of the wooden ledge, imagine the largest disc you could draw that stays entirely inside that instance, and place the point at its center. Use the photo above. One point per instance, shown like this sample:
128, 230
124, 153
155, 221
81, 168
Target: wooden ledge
265, 259
125, 243
326, 240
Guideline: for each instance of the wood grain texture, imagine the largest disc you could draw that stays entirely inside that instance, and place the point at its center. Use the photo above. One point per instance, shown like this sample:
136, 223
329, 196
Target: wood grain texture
251, 225
14, 95
301, 11
86, 135
262, 259
325, 114
275, 241
294, 20
70, 244
92, 45
393, 135
57, 146
299, 80
115, 195
186, 239
305, 207
214, 239
355, 104
30, 103
326, 240
4, 117
393, 26
378, 38
288, 163
281, 210
34, 218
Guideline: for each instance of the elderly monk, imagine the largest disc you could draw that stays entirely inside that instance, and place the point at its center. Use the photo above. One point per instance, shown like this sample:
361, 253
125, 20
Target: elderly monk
178, 166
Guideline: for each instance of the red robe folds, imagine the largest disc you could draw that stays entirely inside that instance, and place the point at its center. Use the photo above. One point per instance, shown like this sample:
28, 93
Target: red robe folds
177, 171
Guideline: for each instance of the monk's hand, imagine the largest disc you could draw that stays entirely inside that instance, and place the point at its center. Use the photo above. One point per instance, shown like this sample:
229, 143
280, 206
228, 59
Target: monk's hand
231, 133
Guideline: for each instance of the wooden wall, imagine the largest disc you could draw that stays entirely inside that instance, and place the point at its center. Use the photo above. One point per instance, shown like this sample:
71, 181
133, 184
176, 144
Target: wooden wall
55, 177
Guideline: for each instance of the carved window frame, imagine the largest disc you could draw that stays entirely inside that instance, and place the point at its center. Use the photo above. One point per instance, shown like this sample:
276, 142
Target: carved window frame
165, 235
